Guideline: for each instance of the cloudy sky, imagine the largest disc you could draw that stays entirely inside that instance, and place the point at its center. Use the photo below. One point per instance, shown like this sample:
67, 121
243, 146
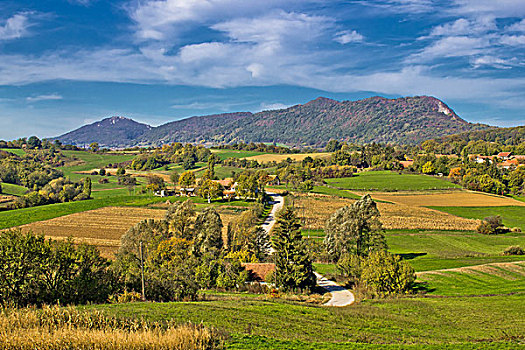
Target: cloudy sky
64, 63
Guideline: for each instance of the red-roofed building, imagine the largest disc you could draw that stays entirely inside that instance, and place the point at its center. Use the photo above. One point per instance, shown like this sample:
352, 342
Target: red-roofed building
504, 155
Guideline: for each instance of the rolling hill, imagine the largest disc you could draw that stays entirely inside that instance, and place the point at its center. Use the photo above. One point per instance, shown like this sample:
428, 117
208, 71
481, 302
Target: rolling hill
111, 132
407, 120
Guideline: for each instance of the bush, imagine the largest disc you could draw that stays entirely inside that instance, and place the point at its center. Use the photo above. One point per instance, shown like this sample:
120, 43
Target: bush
102, 172
514, 250
36, 271
350, 267
385, 274
491, 225
103, 181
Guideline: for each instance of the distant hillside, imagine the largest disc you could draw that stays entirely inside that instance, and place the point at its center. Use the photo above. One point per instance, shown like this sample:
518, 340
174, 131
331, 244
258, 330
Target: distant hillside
505, 136
109, 132
407, 120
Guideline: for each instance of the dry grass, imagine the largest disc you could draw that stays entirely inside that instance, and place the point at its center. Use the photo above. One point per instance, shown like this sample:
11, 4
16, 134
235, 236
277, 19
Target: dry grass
101, 227
266, 158
316, 209
503, 269
448, 199
67, 328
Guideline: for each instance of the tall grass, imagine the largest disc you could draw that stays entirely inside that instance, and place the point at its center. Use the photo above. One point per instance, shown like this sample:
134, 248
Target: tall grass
68, 328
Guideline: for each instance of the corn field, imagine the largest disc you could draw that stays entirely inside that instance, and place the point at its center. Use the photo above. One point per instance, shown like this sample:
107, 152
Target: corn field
68, 328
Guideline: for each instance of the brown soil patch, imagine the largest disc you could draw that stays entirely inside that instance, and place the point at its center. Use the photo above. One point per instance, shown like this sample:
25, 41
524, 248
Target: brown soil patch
448, 199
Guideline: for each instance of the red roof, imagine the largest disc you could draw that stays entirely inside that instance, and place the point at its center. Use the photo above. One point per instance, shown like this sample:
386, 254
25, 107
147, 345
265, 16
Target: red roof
259, 271
504, 154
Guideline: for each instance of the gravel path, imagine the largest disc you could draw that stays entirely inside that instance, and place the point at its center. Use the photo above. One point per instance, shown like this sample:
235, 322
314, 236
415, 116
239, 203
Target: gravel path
278, 202
340, 295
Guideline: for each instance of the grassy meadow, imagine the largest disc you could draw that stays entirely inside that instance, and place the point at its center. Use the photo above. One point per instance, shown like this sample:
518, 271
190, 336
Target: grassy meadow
421, 321
390, 181
13, 190
512, 216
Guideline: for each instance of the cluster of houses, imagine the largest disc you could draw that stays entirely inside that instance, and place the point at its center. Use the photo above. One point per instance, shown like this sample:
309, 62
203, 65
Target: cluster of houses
505, 160
228, 184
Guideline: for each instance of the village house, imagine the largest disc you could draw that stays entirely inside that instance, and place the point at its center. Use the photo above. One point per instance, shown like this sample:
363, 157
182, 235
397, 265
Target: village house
273, 180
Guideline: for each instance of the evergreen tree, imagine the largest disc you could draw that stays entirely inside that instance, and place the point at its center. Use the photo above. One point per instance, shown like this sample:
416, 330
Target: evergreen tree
355, 229
293, 266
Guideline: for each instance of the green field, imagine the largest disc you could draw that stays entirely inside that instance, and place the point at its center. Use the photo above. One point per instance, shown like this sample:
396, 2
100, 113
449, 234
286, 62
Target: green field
228, 153
396, 321
431, 250
14, 190
17, 151
486, 280
513, 216
94, 160
390, 181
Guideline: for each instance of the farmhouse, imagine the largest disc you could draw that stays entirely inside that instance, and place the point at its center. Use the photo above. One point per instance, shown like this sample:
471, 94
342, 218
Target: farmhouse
273, 180
259, 271
507, 164
504, 155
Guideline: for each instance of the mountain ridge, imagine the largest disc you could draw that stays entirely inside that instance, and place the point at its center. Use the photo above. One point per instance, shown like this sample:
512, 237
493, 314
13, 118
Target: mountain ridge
407, 120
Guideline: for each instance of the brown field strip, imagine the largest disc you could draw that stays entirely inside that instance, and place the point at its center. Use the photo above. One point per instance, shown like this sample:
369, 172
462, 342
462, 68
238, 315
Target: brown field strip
502, 269
103, 227
266, 158
448, 199
316, 209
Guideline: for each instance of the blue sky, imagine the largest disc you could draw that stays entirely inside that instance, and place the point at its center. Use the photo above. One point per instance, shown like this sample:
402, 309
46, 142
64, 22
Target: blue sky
64, 63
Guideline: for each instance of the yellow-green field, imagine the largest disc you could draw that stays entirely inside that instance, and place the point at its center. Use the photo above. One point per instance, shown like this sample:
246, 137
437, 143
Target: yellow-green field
270, 157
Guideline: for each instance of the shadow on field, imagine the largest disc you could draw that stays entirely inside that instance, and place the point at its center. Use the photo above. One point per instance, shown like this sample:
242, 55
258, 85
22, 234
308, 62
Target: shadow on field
410, 256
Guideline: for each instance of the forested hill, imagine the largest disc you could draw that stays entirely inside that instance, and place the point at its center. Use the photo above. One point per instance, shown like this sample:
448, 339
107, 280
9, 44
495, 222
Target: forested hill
112, 132
407, 120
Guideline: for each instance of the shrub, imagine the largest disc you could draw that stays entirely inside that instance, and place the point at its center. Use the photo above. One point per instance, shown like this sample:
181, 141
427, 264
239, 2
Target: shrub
385, 274
350, 267
103, 181
514, 250
491, 225
102, 172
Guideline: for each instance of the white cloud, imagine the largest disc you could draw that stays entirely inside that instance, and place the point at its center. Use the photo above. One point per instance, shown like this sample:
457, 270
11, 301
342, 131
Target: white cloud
161, 19
513, 40
15, 27
454, 46
496, 8
492, 61
347, 37
44, 98
278, 27
517, 27
464, 26
273, 106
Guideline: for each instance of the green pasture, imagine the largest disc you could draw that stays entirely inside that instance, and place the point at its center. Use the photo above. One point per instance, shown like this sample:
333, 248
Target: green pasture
13, 190
487, 280
17, 151
390, 181
94, 160
228, 153
436, 321
513, 216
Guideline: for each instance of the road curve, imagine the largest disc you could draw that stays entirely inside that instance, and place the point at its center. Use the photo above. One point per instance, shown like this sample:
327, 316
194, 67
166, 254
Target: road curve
340, 295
